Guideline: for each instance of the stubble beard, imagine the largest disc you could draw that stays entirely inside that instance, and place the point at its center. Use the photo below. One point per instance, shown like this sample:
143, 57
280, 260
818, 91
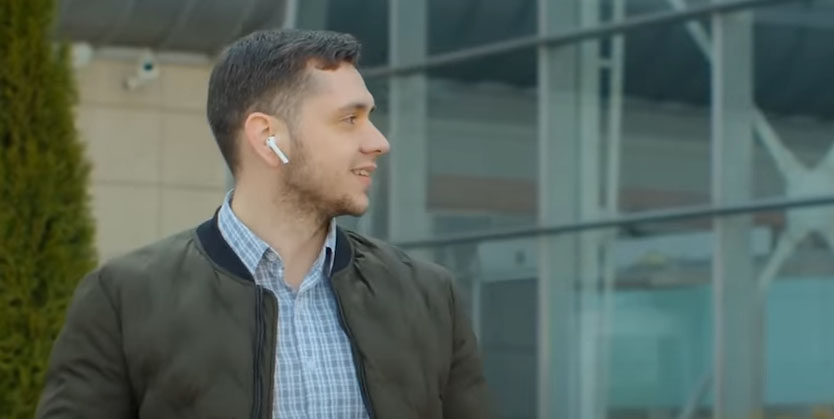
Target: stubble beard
305, 189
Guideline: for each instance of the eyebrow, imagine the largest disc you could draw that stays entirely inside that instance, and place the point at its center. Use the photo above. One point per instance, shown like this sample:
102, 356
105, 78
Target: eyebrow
356, 106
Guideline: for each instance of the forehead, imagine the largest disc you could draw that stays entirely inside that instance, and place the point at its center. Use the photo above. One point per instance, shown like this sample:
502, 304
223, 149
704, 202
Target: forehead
335, 87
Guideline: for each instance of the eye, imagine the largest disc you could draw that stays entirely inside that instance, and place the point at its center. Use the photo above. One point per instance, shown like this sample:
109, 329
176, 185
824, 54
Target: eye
351, 119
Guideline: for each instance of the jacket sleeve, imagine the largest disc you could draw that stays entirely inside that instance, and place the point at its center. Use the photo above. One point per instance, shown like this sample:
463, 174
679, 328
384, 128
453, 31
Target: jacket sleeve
86, 377
466, 394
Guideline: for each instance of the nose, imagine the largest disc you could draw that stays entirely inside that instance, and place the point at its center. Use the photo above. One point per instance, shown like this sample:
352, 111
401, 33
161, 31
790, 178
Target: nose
376, 142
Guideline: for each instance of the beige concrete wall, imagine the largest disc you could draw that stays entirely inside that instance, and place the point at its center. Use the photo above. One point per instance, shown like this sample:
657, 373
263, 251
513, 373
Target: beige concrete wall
156, 168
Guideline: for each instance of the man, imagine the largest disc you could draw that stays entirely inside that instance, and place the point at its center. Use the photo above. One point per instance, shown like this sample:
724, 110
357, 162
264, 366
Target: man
269, 309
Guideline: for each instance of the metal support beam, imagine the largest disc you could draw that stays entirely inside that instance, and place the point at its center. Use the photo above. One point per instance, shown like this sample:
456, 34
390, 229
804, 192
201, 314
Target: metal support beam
738, 347
408, 170
591, 340
558, 200
616, 74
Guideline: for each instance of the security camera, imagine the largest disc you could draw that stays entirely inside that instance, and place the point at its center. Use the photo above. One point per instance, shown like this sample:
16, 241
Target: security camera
147, 70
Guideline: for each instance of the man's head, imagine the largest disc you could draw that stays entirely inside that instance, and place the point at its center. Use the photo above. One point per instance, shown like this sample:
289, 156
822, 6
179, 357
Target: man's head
303, 88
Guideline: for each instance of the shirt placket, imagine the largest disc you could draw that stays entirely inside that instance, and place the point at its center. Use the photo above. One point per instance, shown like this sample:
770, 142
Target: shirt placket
305, 344
293, 386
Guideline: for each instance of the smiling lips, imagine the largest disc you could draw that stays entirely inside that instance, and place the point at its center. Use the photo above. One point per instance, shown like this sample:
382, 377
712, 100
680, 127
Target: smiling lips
364, 171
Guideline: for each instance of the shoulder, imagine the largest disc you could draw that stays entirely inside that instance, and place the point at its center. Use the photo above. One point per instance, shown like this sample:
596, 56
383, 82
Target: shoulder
401, 265
146, 264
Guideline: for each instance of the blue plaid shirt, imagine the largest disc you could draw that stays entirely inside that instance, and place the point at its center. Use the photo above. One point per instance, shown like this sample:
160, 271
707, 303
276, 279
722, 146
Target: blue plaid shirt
315, 374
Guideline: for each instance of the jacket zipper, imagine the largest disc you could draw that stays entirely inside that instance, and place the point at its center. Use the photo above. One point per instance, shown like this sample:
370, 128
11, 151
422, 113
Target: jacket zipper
263, 400
257, 402
270, 394
357, 362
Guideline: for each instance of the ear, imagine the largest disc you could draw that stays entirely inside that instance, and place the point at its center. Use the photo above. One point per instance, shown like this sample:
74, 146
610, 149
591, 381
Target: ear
257, 127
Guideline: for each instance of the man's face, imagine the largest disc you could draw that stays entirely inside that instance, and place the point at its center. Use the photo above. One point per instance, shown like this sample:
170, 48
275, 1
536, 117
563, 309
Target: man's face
335, 145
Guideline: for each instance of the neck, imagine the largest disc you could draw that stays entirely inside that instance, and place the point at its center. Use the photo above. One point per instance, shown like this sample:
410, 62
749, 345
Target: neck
295, 233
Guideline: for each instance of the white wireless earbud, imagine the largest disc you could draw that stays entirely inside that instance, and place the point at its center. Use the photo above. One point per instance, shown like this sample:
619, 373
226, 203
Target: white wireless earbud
270, 142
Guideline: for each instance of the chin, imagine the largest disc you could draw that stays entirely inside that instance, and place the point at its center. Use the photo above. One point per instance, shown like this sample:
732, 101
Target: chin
354, 205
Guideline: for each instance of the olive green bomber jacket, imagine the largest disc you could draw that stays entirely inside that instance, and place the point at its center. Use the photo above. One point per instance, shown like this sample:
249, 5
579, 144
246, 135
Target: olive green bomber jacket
179, 329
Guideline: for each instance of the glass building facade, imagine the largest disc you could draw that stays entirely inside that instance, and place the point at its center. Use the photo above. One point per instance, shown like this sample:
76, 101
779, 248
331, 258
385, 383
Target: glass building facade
635, 195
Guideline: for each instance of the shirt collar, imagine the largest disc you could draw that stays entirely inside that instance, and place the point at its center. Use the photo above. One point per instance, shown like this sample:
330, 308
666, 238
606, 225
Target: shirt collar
251, 249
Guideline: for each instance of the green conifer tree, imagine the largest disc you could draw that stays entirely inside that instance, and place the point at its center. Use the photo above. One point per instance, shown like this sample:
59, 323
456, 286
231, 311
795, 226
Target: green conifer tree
46, 229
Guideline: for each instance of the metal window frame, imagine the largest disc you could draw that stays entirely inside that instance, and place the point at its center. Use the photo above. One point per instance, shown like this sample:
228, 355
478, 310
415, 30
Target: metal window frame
571, 37
727, 213
639, 218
